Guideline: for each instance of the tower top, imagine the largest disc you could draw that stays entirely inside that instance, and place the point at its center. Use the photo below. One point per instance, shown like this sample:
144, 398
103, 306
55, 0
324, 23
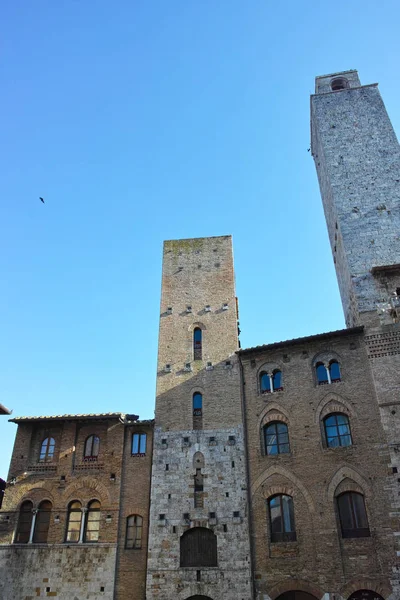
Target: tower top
336, 81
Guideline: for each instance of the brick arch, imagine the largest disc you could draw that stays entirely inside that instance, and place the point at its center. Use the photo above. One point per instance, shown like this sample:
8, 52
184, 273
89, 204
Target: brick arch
300, 585
325, 357
198, 324
381, 587
347, 472
23, 495
86, 488
277, 409
278, 470
333, 402
348, 485
273, 490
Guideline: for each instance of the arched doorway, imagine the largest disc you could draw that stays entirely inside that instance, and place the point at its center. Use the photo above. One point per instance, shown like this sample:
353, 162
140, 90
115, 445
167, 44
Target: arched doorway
296, 595
365, 595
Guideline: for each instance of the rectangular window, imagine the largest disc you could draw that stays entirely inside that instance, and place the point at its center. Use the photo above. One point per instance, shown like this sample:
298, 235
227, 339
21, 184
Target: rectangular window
139, 444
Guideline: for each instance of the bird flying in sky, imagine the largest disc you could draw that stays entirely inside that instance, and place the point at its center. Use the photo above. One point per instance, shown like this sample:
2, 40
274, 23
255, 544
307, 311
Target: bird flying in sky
41, 199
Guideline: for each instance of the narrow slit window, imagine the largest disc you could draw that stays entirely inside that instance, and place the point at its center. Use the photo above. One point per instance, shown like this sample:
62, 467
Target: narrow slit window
197, 343
134, 527
197, 410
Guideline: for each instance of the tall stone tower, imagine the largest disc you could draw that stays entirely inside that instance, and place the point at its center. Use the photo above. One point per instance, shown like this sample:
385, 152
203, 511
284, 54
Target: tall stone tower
199, 540
357, 157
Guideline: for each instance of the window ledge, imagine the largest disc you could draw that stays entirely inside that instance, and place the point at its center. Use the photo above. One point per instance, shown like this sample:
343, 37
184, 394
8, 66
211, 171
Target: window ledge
279, 456
339, 448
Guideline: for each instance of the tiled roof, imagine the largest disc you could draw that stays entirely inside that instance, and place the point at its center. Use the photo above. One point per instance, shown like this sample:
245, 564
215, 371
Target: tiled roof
309, 338
90, 416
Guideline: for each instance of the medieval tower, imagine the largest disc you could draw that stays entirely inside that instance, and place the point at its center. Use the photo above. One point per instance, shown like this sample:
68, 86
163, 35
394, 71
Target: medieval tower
198, 539
357, 157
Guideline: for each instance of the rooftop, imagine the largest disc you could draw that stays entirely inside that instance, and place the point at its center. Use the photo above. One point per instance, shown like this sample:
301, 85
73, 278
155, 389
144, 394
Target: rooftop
309, 338
126, 418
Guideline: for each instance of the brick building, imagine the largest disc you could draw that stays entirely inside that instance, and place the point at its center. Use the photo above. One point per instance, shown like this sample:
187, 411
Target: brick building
270, 473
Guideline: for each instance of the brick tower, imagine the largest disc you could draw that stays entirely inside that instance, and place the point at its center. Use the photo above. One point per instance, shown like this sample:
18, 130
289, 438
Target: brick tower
198, 540
357, 157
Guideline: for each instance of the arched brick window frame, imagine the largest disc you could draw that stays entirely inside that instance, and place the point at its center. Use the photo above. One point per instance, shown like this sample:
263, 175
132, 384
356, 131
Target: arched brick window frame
327, 368
269, 379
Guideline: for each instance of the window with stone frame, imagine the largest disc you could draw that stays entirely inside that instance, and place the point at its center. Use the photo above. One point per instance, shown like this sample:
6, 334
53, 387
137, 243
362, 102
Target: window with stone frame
92, 447
22, 534
352, 515
281, 518
337, 430
276, 438
47, 450
139, 442
197, 343
198, 548
134, 528
42, 522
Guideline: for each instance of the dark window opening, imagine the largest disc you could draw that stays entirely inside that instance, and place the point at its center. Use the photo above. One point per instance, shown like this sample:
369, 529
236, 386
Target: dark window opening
197, 411
352, 515
198, 489
198, 548
281, 516
134, 528
334, 371
24, 523
92, 446
322, 373
276, 438
339, 83
277, 381
265, 383
236, 514
42, 522
337, 430
197, 343
139, 441
47, 450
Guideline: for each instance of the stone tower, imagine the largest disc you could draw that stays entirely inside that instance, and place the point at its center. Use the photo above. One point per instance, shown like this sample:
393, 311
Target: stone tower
357, 157
198, 540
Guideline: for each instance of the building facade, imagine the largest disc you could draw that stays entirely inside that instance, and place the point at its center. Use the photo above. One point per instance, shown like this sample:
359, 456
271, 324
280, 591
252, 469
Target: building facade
270, 473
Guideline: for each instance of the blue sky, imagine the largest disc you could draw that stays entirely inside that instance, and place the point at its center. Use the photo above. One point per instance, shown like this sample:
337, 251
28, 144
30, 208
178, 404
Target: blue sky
140, 121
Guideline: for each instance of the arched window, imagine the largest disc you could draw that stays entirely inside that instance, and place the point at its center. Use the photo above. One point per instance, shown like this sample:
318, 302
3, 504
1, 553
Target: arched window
92, 522
339, 83
139, 441
197, 343
276, 438
277, 380
265, 383
134, 526
74, 522
24, 523
352, 515
47, 450
337, 430
198, 548
197, 410
42, 522
322, 373
281, 517
334, 371
92, 446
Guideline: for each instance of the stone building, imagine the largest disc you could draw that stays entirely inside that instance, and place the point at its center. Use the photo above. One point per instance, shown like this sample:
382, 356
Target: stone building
270, 473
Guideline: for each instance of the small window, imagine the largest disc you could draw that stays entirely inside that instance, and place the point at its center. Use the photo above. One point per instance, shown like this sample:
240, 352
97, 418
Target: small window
352, 515
337, 430
276, 438
277, 381
92, 446
74, 521
265, 383
197, 343
197, 410
281, 516
92, 522
134, 527
339, 83
24, 523
322, 373
47, 450
139, 441
334, 371
42, 522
